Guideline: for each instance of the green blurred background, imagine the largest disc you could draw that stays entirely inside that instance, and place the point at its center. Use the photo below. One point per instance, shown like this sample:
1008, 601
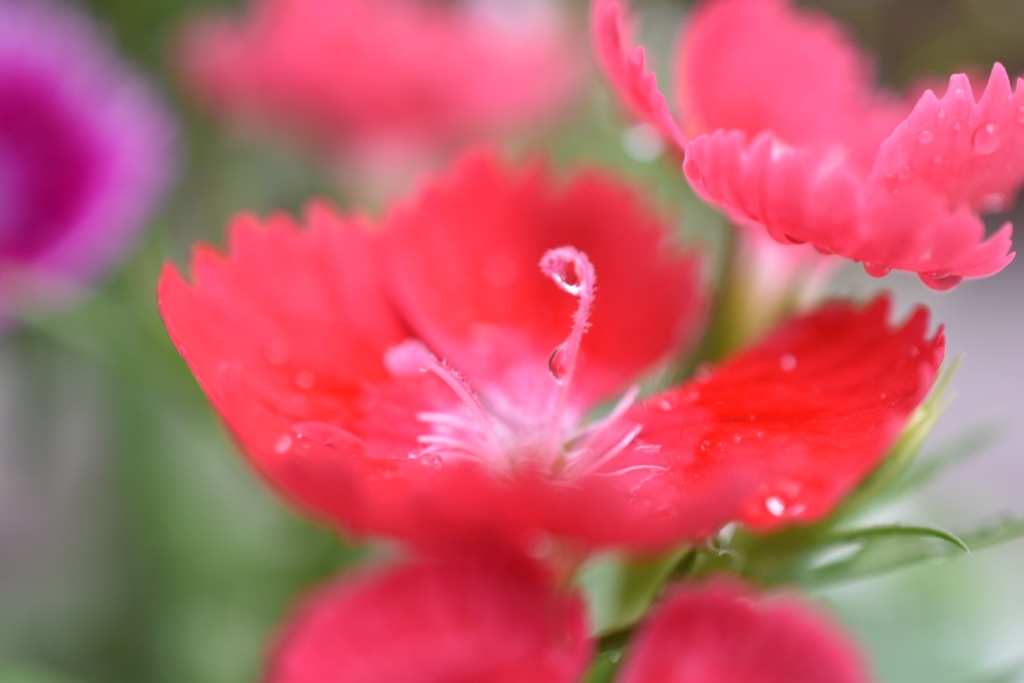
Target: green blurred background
136, 546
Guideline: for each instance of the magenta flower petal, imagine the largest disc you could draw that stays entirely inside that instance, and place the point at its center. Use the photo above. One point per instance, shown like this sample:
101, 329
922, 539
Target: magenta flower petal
489, 620
85, 147
723, 632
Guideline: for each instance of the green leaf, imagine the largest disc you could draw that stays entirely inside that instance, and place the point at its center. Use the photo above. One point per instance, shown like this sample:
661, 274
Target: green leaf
859, 553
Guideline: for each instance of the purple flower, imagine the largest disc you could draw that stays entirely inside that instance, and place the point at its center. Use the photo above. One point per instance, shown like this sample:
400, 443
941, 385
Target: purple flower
85, 149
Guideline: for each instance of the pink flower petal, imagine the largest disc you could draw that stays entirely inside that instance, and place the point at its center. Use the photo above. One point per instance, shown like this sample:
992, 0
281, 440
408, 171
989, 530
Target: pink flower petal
627, 70
464, 270
723, 632
799, 195
760, 65
487, 620
798, 420
971, 152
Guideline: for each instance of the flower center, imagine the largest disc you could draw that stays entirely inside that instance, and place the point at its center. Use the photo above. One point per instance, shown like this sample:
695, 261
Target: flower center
468, 431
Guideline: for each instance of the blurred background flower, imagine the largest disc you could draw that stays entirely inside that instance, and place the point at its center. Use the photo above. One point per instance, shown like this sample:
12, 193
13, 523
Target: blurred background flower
85, 150
378, 87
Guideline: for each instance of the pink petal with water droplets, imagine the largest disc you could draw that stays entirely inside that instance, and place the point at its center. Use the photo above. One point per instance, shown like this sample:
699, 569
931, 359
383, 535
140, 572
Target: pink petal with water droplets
971, 152
801, 195
464, 257
796, 421
626, 68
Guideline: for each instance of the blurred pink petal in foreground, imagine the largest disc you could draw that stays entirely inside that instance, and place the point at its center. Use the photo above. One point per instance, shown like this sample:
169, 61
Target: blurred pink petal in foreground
723, 632
85, 150
385, 78
792, 137
492, 620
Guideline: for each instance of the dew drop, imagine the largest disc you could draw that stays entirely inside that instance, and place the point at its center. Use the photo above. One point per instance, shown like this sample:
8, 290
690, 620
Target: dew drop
305, 379
913, 352
776, 506
904, 173
986, 139
665, 404
787, 362
283, 444
690, 394
995, 202
558, 364
432, 460
925, 137
941, 114
568, 279
941, 281
705, 446
956, 125
876, 270
737, 438
760, 434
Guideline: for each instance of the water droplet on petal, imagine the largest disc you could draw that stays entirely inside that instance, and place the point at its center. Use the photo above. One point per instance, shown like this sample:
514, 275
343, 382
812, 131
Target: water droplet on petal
956, 125
904, 173
776, 506
787, 362
432, 460
986, 139
913, 352
283, 444
876, 270
558, 364
737, 438
705, 446
941, 281
305, 379
995, 202
690, 394
925, 137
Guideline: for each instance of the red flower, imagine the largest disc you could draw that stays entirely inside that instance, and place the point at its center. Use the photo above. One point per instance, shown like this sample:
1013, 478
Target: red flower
493, 621
792, 138
383, 78
723, 633
323, 352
